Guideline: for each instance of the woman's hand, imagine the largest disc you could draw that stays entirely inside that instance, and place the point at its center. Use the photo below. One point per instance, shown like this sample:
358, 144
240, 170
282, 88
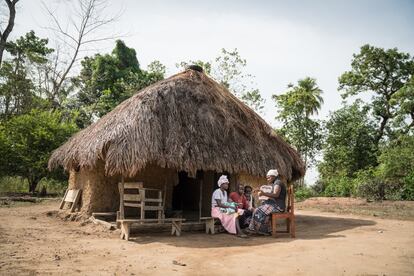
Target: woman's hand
260, 193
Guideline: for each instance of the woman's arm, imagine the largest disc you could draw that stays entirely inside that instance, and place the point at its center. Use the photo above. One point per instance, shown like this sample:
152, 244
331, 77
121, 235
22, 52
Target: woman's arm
275, 194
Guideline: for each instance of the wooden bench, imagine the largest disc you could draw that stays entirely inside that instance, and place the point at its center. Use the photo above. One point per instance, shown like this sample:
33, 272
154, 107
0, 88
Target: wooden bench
289, 215
126, 225
211, 224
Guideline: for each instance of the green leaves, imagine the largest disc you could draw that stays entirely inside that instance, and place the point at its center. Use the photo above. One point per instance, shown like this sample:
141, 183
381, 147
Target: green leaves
371, 145
29, 48
305, 98
384, 73
107, 80
19, 91
26, 142
397, 159
350, 142
295, 108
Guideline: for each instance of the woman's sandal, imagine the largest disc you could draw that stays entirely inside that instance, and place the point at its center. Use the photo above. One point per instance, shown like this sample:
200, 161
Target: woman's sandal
244, 236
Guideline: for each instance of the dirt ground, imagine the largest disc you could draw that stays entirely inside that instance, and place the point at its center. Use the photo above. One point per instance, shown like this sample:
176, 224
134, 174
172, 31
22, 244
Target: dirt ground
33, 242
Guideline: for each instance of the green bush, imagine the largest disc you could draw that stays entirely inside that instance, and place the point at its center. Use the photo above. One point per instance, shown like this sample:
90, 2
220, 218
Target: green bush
303, 193
372, 184
339, 186
13, 184
318, 187
373, 189
53, 186
27, 141
408, 188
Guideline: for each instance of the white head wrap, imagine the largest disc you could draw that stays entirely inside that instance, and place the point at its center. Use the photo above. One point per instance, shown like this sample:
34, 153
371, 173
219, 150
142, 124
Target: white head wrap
223, 179
272, 172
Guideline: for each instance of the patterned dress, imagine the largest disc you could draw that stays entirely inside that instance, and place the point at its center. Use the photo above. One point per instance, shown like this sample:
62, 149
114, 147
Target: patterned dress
261, 216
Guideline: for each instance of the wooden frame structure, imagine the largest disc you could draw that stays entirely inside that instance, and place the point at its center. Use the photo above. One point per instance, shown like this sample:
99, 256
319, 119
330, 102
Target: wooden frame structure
139, 199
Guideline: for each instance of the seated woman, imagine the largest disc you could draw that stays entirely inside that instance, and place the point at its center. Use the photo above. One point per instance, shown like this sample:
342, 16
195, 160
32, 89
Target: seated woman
274, 201
241, 200
224, 210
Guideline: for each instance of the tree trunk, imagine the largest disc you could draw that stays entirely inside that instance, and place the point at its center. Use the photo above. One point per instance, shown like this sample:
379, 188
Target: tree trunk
381, 130
32, 184
9, 27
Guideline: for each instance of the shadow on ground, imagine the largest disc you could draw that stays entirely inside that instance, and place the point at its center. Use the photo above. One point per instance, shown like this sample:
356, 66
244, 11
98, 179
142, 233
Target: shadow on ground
307, 227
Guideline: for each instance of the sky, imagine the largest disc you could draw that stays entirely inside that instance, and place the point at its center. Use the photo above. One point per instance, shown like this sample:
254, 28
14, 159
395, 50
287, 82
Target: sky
282, 41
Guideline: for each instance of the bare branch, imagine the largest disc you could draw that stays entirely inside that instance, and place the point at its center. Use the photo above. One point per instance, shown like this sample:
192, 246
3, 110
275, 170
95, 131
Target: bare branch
99, 39
87, 17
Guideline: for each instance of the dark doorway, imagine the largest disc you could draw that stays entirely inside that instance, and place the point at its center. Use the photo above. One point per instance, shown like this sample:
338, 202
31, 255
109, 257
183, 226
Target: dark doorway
186, 195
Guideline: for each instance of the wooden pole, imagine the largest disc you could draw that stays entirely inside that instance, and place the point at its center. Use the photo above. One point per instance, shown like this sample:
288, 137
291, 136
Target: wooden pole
200, 204
121, 198
164, 197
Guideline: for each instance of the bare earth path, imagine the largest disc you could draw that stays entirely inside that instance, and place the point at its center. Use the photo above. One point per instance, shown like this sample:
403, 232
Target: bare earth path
327, 244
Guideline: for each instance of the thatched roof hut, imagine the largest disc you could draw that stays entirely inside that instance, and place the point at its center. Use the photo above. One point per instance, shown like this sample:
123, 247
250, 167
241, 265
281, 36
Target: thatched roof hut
186, 123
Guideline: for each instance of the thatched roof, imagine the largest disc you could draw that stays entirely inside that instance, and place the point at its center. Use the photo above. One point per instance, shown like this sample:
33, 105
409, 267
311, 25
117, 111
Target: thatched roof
187, 122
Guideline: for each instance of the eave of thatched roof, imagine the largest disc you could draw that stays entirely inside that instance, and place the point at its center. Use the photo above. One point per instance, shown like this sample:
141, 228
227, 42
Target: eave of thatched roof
188, 122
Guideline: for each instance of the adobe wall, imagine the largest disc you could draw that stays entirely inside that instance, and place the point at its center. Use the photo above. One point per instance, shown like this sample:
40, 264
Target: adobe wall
100, 193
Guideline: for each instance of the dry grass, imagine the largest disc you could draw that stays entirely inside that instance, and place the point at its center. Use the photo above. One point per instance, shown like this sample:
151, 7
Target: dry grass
186, 122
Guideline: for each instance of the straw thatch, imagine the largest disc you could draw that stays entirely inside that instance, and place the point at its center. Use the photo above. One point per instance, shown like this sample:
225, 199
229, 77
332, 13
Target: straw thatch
186, 122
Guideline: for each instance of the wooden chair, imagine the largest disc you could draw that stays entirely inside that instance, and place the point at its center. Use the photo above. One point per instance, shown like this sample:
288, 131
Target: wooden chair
289, 214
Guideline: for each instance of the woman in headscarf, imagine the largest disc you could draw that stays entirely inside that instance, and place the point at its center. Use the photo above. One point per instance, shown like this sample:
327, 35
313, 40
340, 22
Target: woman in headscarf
224, 210
274, 196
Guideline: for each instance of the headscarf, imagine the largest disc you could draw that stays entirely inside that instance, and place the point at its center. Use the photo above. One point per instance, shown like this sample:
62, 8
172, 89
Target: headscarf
272, 172
223, 179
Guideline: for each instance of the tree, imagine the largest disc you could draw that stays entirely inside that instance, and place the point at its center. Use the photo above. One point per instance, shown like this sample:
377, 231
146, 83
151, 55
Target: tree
229, 70
156, 68
107, 80
4, 34
350, 144
18, 85
26, 142
295, 107
404, 100
384, 73
397, 158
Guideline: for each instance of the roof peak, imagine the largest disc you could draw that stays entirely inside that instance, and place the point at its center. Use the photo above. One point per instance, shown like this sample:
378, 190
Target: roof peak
195, 68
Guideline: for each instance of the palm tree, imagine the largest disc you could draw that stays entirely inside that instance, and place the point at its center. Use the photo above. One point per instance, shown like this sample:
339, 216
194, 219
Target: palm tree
297, 104
309, 95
